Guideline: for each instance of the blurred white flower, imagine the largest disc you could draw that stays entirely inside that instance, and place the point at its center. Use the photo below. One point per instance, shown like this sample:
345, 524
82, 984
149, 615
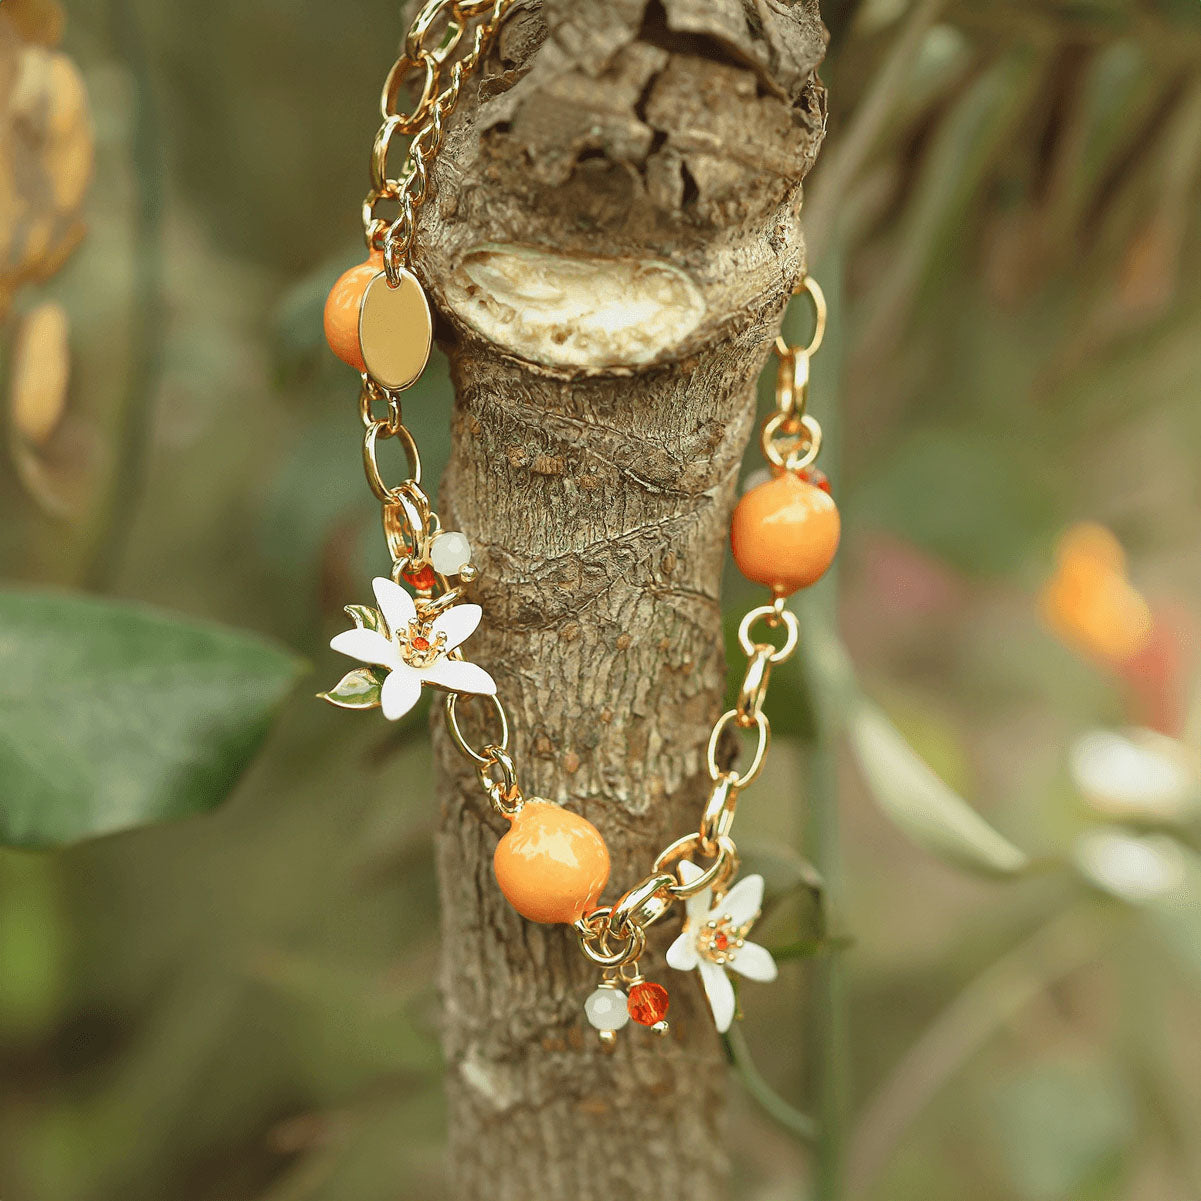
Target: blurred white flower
1135, 868
1137, 775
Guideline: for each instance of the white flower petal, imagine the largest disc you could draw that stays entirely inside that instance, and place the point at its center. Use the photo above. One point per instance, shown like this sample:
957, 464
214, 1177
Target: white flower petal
743, 902
367, 646
754, 962
394, 603
401, 691
682, 954
457, 623
458, 676
1137, 774
696, 907
1134, 867
720, 993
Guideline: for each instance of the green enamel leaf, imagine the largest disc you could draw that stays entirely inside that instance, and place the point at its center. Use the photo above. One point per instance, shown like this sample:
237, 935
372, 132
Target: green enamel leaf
366, 618
114, 716
358, 689
923, 805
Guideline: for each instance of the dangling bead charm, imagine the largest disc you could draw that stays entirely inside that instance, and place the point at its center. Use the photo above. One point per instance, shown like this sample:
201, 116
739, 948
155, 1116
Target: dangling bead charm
422, 579
648, 1004
450, 552
607, 1010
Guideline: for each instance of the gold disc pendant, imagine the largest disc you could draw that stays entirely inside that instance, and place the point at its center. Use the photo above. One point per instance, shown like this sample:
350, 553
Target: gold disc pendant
395, 330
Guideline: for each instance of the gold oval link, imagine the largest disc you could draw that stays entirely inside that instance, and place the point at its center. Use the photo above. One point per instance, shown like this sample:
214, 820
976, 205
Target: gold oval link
401, 69
422, 31
375, 481
456, 733
379, 155
718, 818
724, 864
754, 685
642, 905
775, 617
820, 315
762, 742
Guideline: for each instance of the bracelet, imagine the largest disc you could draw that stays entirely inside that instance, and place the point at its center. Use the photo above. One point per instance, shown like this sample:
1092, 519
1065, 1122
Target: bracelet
552, 865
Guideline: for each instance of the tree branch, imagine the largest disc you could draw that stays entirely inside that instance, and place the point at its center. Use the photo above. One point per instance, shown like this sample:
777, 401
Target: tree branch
613, 236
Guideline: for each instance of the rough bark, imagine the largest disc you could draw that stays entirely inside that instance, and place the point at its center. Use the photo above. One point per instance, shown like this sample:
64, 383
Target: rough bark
613, 237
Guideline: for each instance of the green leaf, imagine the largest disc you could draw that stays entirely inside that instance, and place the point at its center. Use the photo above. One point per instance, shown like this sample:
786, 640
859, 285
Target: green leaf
923, 806
113, 716
358, 689
366, 618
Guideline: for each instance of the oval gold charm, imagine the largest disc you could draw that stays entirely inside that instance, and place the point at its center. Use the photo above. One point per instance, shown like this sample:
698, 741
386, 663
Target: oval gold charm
395, 330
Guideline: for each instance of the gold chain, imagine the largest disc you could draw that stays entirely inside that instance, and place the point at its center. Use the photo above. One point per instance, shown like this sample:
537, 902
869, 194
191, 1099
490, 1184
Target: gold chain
431, 49
443, 47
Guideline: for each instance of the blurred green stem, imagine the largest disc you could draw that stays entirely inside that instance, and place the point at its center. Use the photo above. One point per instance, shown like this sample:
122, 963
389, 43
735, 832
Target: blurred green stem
826, 1029
132, 429
1070, 939
771, 1102
838, 167
1149, 1059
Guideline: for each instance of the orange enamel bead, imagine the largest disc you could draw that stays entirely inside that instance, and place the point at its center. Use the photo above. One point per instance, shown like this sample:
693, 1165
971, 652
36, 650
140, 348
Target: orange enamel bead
342, 310
784, 533
551, 864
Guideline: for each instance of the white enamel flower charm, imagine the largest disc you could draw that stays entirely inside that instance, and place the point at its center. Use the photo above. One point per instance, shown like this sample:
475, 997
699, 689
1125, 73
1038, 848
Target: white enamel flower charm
714, 941
404, 649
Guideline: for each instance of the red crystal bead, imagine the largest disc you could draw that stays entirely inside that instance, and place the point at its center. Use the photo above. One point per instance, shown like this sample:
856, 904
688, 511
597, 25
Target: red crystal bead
419, 643
721, 940
423, 579
648, 1003
811, 475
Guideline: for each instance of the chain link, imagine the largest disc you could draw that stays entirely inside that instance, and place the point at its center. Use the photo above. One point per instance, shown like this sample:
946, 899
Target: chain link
432, 50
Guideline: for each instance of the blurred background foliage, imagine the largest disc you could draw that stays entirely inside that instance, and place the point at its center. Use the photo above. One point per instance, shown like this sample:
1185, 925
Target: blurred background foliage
239, 1006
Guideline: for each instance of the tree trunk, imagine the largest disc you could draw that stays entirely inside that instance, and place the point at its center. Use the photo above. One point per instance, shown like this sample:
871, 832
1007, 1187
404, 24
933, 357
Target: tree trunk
612, 239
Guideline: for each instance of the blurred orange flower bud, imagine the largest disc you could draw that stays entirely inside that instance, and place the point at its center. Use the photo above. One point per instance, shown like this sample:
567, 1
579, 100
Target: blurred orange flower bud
1090, 602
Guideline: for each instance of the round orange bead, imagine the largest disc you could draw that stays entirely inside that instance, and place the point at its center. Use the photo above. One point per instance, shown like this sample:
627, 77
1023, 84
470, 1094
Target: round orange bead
551, 864
784, 533
342, 310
